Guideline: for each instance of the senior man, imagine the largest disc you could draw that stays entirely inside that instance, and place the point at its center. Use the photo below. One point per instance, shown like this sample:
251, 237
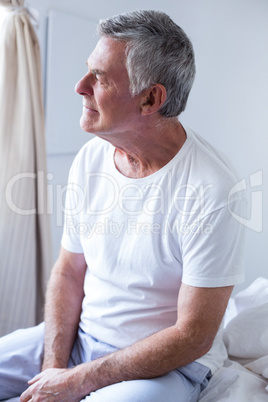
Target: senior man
150, 250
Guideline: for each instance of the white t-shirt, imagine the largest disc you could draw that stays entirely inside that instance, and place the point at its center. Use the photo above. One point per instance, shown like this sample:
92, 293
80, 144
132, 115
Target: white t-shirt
142, 237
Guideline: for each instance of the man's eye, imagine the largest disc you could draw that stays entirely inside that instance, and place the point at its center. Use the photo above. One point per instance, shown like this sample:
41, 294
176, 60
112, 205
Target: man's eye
97, 76
95, 73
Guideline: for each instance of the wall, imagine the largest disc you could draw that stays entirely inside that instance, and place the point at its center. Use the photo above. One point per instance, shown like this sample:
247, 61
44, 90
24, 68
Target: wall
228, 102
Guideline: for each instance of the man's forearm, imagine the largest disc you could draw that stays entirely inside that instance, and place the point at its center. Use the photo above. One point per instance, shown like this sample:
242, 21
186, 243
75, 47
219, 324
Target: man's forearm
62, 313
151, 357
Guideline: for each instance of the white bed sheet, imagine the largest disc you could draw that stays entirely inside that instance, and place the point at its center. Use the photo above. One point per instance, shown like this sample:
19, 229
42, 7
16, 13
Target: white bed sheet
244, 376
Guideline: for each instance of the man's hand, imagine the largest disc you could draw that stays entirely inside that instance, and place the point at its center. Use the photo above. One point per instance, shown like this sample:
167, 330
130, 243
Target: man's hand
54, 385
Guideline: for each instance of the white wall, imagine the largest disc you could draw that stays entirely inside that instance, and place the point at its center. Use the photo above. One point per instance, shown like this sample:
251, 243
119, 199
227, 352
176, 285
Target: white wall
228, 103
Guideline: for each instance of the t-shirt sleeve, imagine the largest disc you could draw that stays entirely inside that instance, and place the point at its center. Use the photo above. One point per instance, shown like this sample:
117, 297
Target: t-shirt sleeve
213, 249
73, 206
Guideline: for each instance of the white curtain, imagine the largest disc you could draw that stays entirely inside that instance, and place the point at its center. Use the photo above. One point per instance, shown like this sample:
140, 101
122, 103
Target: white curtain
25, 249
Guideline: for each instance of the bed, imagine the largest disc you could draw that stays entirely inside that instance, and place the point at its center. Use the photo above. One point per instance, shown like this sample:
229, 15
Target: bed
244, 376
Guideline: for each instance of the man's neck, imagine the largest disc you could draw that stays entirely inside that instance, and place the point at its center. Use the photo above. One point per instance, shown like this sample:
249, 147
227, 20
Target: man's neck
147, 153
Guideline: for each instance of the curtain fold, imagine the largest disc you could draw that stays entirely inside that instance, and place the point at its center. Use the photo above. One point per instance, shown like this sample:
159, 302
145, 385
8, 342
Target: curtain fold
25, 241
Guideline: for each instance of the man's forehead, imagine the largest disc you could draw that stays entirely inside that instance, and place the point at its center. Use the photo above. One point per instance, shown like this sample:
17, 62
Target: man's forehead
107, 50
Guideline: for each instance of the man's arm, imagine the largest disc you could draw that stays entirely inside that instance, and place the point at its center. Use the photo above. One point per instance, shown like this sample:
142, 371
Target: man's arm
63, 307
200, 311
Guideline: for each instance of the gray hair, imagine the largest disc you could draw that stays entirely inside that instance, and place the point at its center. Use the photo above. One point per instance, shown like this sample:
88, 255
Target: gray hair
158, 52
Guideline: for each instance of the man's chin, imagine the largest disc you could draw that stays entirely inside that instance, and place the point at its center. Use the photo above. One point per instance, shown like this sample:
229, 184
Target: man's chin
87, 126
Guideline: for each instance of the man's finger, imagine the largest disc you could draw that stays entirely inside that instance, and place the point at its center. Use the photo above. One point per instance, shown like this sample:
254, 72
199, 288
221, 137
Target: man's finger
35, 378
26, 396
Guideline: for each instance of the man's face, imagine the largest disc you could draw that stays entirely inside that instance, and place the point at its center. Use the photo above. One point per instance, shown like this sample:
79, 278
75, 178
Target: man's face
108, 107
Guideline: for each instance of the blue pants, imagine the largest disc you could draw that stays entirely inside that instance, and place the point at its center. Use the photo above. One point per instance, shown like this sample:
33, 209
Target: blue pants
21, 354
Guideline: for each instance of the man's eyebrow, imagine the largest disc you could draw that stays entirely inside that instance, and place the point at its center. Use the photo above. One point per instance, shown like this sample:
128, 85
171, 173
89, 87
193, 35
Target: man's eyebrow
95, 70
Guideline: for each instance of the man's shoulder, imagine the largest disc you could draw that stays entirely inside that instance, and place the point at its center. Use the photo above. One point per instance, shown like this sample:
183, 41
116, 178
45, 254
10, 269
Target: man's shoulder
209, 172
209, 163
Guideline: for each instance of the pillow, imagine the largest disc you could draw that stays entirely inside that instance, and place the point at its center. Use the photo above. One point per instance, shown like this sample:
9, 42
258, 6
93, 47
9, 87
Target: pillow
259, 366
246, 335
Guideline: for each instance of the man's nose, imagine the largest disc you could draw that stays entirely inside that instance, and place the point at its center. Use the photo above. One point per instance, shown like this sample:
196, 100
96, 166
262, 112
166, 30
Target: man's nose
84, 86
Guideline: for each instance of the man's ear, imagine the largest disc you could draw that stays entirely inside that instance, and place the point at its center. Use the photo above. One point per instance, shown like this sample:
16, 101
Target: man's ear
153, 99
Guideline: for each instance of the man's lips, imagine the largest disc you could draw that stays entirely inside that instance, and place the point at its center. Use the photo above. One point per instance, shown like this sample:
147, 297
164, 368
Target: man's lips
89, 108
